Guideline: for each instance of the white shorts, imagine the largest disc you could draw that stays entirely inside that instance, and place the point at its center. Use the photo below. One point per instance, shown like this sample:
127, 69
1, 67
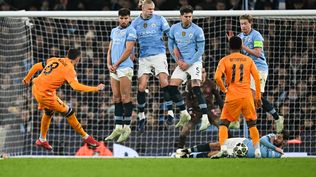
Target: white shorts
122, 72
157, 63
263, 78
195, 71
231, 143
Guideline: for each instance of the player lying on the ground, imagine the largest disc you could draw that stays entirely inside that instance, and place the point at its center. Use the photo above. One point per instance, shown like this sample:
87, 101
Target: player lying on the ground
270, 146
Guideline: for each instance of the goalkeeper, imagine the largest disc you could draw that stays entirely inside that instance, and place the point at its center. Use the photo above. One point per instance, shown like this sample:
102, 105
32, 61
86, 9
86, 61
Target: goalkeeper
270, 146
209, 92
55, 72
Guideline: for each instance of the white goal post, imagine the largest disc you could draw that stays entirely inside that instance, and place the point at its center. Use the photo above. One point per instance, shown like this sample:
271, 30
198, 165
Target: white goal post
30, 36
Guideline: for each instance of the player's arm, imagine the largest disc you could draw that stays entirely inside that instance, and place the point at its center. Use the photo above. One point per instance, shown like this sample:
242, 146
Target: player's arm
255, 74
108, 58
37, 67
265, 141
218, 97
71, 78
257, 46
171, 44
84, 88
218, 76
127, 52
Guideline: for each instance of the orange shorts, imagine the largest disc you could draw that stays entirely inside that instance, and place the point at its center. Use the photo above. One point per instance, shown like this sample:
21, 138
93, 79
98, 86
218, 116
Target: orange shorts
49, 100
232, 109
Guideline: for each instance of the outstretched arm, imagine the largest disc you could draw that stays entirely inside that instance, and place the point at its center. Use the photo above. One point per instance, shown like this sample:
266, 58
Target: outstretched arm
33, 70
84, 88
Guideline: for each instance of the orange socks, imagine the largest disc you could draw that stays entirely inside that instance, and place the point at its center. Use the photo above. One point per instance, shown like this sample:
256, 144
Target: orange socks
254, 134
73, 122
45, 122
222, 134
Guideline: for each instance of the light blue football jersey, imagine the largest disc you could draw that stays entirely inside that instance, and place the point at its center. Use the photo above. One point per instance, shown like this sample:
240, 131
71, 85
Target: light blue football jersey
188, 40
119, 37
266, 152
255, 40
150, 34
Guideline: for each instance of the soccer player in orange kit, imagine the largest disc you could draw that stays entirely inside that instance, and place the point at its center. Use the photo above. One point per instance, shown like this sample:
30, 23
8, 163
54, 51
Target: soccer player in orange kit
55, 72
237, 69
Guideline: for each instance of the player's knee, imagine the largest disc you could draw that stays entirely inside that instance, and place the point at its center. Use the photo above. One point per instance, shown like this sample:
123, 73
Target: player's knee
49, 112
224, 123
251, 123
142, 87
116, 98
69, 112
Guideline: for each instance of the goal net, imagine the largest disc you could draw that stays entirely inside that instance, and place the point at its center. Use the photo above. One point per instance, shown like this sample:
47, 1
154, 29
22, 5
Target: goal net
289, 46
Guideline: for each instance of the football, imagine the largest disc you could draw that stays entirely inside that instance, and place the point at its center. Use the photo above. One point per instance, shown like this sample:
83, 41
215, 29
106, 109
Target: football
240, 150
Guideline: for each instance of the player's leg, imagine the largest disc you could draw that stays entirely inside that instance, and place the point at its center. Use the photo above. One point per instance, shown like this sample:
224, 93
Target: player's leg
161, 69
144, 69
186, 130
118, 108
141, 100
266, 105
195, 71
249, 112
45, 121
178, 76
125, 89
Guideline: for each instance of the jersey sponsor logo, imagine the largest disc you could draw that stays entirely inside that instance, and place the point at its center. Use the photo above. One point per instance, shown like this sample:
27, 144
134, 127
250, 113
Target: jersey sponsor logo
147, 33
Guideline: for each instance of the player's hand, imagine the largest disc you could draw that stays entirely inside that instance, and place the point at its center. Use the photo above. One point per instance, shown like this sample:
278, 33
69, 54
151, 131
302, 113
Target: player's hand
111, 69
258, 103
26, 82
176, 53
279, 150
229, 34
101, 86
133, 57
184, 66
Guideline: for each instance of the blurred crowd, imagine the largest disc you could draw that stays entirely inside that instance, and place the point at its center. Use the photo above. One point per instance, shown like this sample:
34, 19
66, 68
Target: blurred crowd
37, 5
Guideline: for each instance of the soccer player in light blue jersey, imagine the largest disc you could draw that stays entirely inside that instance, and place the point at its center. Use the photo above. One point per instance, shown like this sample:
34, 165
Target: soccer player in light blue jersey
270, 147
186, 44
253, 47
120, 65
150, 29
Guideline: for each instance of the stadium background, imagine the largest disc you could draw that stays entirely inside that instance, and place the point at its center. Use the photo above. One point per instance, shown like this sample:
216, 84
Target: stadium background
291, 58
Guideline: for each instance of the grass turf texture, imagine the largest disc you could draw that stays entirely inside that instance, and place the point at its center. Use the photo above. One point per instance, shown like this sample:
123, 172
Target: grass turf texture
152, 167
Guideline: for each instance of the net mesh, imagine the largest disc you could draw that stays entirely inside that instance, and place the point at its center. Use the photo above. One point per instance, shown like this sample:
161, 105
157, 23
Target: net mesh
289, 46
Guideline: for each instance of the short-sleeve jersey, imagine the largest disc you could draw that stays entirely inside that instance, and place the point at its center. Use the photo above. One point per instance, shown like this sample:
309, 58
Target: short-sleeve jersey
255, 40
56, 72
186, 39
150, 34
119, 37
237, 69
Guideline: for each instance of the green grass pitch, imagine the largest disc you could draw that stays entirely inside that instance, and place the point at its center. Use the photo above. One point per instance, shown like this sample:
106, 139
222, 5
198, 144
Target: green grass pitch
154, 167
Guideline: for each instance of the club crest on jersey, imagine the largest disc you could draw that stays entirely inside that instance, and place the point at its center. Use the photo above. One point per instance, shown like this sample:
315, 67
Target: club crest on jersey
153, 25
145, 25
183, 33
191, 35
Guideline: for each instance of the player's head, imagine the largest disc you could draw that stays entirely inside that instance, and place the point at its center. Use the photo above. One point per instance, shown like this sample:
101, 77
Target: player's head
73, 54
186, 15
281, 139
148, 7
235, 43
124, 17
245, 23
